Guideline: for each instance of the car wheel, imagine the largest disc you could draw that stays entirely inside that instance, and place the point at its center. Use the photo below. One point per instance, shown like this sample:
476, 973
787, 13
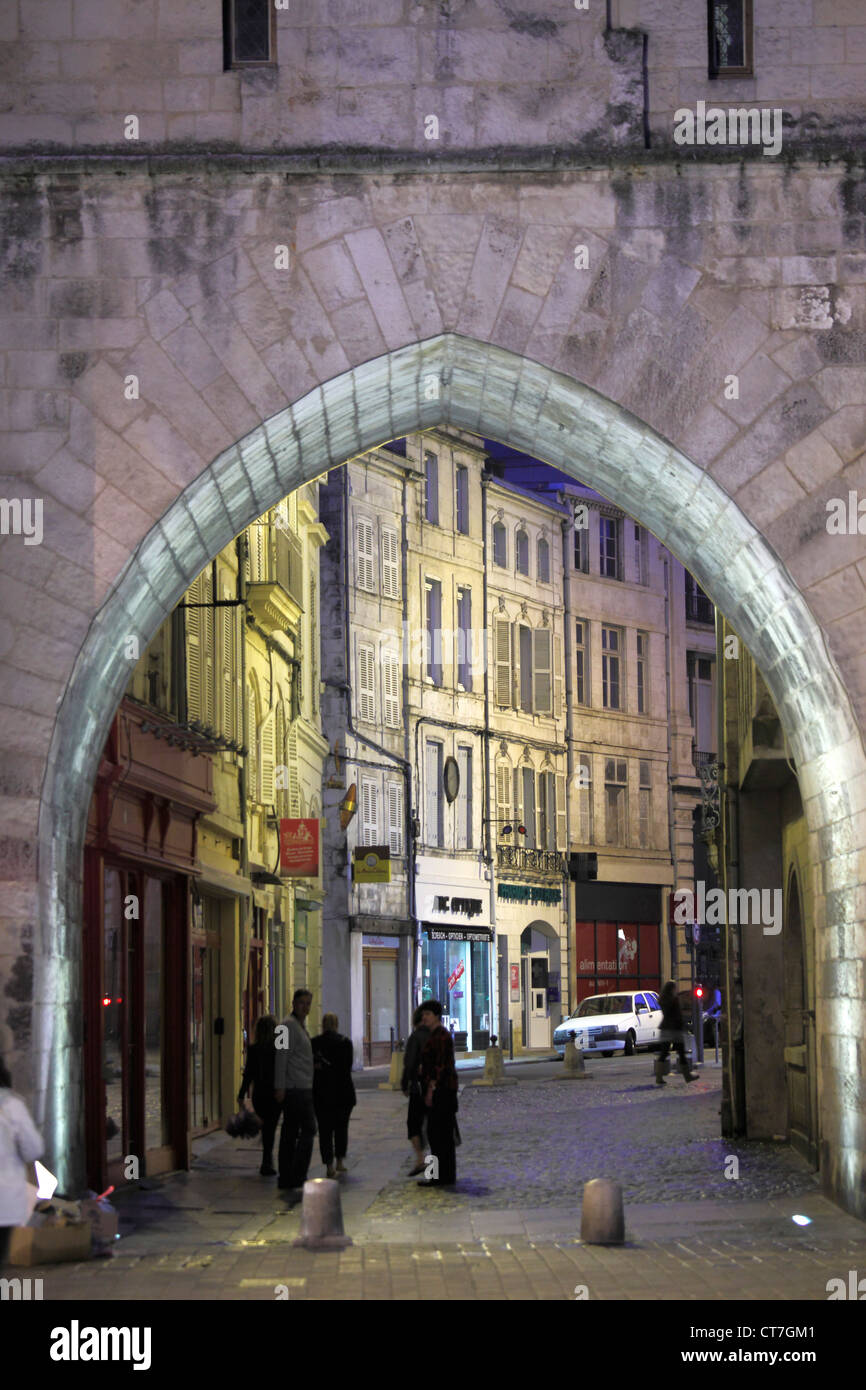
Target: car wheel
607, 1054
630, 1041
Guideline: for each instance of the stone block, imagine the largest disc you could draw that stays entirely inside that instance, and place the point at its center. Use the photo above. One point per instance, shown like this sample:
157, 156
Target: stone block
376, 272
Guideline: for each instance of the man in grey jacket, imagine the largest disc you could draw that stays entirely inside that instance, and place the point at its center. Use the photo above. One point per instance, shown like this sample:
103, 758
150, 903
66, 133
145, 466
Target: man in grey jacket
293, 1089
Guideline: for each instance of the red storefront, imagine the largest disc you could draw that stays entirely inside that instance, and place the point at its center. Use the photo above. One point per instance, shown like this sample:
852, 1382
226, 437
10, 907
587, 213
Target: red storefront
153, 783
617, 938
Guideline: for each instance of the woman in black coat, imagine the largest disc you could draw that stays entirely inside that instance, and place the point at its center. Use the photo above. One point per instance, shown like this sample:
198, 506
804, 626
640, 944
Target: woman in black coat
673, 1034
258, 1082
333, 1093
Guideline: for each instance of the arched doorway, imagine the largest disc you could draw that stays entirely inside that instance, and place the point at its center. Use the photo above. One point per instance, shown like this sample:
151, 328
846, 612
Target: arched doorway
497, 394
541, 975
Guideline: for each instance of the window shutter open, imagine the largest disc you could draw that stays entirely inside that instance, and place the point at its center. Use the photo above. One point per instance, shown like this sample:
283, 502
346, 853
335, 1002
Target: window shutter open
294, 779
266, 759
503, 798
541, 670
228, 664
369, 812
560, 813
193, 625
517, 783
503, 661
558, 677
390, 564
208, 641
391, 686
366, 683
364, 535
395, 817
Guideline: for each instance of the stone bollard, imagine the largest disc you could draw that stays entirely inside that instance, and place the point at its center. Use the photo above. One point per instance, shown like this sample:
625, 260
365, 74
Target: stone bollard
494, 1070
395, 1074
573, 1068
322, 1217
602, 1221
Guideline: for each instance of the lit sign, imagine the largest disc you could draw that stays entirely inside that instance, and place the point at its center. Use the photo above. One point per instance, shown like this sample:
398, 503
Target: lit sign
460, 907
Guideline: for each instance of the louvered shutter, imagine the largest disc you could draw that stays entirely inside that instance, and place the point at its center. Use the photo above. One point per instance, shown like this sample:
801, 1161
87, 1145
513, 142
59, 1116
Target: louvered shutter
391, 681
369, 812
294, 776
395, 817
208, 634
560, 813
280, 769
433, 792
366, 686
228, 667
517, 783
390, 564
503, 661
364, 534
503, 796
266, 759
252, 736
558, 677
541, 670
193, 652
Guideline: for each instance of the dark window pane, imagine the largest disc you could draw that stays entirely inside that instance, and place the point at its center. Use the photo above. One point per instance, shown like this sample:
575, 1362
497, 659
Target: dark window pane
729, 33
251, 37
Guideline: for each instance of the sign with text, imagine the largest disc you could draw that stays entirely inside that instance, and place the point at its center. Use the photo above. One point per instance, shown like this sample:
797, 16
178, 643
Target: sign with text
371, 864
299, 848
455, 975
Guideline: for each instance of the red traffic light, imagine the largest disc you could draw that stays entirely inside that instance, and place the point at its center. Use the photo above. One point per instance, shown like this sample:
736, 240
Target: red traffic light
106, 1000
521, 829
699, 991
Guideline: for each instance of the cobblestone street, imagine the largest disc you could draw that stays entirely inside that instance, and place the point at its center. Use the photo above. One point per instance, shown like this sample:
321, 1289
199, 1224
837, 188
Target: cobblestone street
511, 1227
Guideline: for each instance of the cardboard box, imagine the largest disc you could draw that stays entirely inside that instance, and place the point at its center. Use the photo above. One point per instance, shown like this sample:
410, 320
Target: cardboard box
49, 1244
103, 1220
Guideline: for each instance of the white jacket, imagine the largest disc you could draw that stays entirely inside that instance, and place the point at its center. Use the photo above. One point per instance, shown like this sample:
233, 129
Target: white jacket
20, 1145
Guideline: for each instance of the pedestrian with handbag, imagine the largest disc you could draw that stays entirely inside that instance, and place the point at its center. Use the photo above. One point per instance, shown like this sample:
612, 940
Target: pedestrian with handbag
258, 1083
20, 1146
333, 1093
293, 1081
673, 1034
410, 1085
438, 1079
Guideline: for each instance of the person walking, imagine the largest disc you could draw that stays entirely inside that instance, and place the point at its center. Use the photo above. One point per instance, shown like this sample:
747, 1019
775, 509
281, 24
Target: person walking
411, 1086
672, 1035
258, 1083
333, 1092
20, 1145
438, 1078
293, 1089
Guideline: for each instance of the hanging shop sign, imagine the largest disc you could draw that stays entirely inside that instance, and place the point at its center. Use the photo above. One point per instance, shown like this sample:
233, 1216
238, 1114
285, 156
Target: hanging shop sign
514, 973
299, 848
528, 893
371, 864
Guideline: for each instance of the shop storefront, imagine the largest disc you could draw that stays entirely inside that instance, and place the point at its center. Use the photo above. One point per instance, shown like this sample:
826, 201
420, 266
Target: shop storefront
617, 939
454, 909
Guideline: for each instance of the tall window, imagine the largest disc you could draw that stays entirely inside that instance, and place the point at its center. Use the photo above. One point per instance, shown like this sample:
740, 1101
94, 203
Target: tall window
730, 38
644, 826
249, 33
547, 809
503, 798
228, 661
369, 811
464, 798
434, 631
611, 646
366, 682
581, 654
640, 570
500, 545
390, 563
431, 491
543, 561
642, 656
699, 608
391, 691
365, 549
584, 800
529, 814
462, 499
394, 800
464, 638
502, 658
615, 800
313, 663
541, 670
522, 543
581, 550
435, 828
609, 547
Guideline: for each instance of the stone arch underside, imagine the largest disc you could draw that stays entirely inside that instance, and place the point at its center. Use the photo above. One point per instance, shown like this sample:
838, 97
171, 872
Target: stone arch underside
458, 381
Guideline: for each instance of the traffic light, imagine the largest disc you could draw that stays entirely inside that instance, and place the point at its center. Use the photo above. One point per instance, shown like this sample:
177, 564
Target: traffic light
583, 868
699, 991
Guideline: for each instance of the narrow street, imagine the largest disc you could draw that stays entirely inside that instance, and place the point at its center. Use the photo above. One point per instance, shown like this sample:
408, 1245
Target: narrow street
511, 1227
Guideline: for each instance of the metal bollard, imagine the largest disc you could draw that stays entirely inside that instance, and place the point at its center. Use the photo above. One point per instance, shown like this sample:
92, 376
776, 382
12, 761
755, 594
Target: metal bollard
511, 1039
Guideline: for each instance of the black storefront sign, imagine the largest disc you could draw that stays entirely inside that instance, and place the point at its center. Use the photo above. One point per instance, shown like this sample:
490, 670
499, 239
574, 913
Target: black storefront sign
458, 933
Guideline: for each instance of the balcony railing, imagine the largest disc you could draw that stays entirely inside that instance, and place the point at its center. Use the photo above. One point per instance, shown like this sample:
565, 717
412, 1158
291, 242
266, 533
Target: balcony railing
700, 758
540, 861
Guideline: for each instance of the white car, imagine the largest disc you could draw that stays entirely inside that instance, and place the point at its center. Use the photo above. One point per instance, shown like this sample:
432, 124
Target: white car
609, 1023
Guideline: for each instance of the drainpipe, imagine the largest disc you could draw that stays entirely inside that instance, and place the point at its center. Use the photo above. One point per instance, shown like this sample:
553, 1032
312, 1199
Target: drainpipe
247, 735
571, 914
408, 808
671, 826
493, 960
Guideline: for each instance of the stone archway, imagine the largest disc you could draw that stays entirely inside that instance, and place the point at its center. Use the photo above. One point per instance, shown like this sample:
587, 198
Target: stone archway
461, 382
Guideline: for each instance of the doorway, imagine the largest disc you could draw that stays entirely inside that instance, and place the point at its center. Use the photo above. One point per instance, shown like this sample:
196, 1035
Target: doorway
380, 1004
206, 1021
799, 1033
536, 970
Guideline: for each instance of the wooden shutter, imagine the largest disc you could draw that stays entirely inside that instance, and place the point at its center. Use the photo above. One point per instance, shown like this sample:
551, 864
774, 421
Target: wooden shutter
502, 657
193, 651
560, 813
395, 817
464, 798
366, 683
252, 737
541, 684
390, 564
228, 666
558, 677
503, 797
364, 536
369, 812
294, 775
433, 793
266, 759
208, 637
391, 684
517, 783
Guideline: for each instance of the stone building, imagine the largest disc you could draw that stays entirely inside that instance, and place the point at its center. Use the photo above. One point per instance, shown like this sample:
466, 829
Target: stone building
230, 263
191, 928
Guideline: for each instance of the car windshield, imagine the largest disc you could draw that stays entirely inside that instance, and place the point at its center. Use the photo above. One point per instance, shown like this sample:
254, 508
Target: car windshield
605, 1004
